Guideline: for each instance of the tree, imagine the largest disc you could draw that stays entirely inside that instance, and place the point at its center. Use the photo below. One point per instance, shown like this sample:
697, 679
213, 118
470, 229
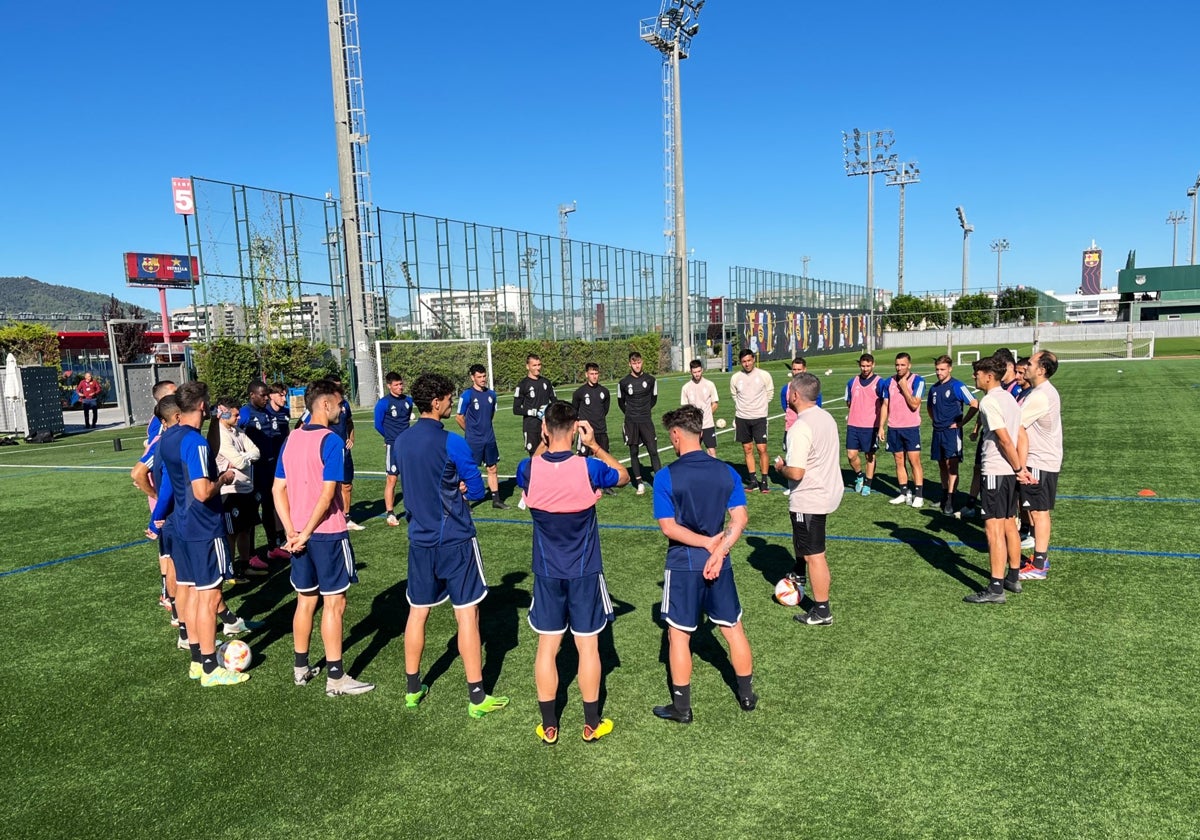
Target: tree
296, 361
227, 366
1019, 304
32, 344
935, 313
130, 338
973, 311
507, 332
906, 312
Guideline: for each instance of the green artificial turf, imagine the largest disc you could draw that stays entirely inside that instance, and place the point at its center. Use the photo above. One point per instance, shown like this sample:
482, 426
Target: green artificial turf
1068, 712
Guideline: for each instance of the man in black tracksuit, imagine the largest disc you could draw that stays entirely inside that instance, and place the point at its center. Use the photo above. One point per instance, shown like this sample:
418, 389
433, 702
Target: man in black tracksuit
592, 401
533, 394
638, 394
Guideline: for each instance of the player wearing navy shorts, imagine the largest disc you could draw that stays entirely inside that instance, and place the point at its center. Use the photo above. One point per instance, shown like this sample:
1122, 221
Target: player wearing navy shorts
476, 412
267, 427
901, 416
439, 477
166, 412
865, 394
945, 404
309, 501
569, 592
393, 416
1002, 442
691, 499
199, 546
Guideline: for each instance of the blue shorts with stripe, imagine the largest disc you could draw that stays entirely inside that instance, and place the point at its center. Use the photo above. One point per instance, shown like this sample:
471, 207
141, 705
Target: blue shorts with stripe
349, 479
484, 452
581, 605
325, 566
862, 439
203, 564
446, 572
946, 444
164, 542
388, 466
904, 440
687, 595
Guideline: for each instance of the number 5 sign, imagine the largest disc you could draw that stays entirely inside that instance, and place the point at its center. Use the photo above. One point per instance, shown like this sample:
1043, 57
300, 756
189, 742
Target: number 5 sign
185, 201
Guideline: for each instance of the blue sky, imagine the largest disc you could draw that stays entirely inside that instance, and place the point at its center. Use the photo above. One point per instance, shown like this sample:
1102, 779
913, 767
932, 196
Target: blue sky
1052, 126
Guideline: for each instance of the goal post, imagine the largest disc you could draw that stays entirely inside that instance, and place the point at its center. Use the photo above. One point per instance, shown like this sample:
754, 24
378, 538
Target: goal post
966, 357
1132, 346
450, 357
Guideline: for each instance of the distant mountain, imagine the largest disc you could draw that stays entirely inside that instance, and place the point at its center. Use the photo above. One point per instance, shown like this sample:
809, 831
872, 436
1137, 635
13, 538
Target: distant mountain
23, 298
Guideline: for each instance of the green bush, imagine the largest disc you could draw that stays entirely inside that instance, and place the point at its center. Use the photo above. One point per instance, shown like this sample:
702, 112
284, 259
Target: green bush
227, 366
32, 344
296, 361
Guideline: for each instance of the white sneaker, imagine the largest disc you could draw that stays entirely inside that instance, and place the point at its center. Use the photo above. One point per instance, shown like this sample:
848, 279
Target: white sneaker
1027, 542
902, 499
181, 644
346, 684
641, 491
917, 502
392, 520
786, 491
303, 676
351, 525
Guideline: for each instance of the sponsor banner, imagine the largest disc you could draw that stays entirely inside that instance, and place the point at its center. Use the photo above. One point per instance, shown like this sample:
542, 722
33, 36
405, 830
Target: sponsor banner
169, 271
1093, 264
783, 332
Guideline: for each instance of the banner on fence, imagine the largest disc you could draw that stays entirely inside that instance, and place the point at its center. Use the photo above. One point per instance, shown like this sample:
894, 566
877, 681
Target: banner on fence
784, 332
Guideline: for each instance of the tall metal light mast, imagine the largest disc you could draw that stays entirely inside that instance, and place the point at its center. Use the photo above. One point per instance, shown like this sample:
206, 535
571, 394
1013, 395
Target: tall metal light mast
871, 152
671, 34
967, 230
565, 252
354, 186
1175, 218
908, 173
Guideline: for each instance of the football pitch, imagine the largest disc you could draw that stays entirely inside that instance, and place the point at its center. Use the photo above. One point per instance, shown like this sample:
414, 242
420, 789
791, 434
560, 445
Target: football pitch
1070, 711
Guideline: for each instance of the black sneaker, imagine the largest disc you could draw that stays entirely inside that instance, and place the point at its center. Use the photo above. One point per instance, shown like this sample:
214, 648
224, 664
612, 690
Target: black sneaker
499, 505
749, 703
947, 509
1012, 585
750, 483
985, 596
763, 487
609, 491
669, 712
814, 618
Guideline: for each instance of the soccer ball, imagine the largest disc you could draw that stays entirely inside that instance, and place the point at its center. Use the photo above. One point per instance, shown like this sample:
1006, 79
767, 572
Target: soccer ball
235, 655
786, 593
829, 371
721, 423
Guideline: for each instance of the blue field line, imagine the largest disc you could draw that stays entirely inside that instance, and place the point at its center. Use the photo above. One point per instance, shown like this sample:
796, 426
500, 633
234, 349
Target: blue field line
61, 560
1178, 501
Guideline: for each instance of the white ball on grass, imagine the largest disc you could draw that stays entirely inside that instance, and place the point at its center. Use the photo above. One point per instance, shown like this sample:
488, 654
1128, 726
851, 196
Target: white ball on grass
721, 423
829, 371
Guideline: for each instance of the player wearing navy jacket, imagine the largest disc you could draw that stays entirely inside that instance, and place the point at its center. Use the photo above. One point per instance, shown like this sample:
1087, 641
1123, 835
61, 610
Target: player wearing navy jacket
945, 403
476, 410
267, 428
569, 591
199, 545
439, 476
691, 499
393, 416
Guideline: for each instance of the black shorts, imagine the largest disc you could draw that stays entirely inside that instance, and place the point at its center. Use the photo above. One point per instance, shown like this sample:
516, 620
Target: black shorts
601, 441
1039, 496
531, 429
997, 496
641, 433
708, 438
750, 431
808, 533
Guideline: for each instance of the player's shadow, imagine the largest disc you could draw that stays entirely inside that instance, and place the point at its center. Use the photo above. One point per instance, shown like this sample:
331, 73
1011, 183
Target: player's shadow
936, 552
268, 600
772, 560
384, 622
499, 623
567, 661
362, 511
967, 531
705, 646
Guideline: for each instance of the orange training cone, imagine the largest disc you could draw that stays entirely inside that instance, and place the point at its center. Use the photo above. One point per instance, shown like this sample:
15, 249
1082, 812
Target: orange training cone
1147, 492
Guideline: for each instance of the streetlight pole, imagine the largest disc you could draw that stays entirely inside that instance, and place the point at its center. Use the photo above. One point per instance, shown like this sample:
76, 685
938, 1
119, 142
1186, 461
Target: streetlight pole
999, 246
1192, 190
908, 173
1175, 218
967, 230
869, 153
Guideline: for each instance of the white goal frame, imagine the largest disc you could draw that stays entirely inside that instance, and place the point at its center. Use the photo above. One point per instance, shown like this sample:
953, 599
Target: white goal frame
962, 357
410, 375
1131, 340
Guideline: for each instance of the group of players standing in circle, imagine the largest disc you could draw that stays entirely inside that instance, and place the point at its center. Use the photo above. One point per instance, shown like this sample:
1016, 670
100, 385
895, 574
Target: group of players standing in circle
252, 468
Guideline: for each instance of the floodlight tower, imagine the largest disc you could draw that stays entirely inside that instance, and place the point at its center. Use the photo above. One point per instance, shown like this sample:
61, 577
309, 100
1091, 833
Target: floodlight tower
999, 246
1191, 192
671, 34
354, 185
908, 173
1175, 218
872, 153
967, 230
565, 253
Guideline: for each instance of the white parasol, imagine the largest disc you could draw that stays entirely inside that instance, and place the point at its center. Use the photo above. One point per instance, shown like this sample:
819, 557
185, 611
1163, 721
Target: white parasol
12, 389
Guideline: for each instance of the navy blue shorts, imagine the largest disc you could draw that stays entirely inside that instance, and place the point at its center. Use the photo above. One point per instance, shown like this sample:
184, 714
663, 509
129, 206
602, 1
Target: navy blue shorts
946, 444
904, 440
687, 595
862, 439
164, 542
581, 605
203, 564
438, 573
388, 466
349, 479
241, 512
325, 566
487, 454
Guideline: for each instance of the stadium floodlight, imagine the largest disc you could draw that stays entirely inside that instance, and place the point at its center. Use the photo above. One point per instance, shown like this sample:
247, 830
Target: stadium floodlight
967, 230
1192, 190
1175, 218
908, 173
870, 153
999, 246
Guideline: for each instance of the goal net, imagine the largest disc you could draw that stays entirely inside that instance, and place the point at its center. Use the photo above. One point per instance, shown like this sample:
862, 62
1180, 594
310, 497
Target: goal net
451, 357
1130, 346
966, 357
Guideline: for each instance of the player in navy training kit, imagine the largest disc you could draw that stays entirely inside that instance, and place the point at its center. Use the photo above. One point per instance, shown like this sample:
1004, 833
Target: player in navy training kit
569, 592
393, 415
439, 477
945, 402
691, 498
476, 410
267, 429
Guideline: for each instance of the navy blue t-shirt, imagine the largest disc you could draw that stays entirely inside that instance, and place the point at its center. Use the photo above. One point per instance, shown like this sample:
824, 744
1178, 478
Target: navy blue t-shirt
265, 428
393, 416
431, 462
477, 409
946, 401
186, 457
696, 491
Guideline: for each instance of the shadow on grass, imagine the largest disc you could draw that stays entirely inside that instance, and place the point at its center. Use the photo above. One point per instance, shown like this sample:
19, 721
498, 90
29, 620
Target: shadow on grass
384, 622
937, 553
499, 623
567, 661
772, 560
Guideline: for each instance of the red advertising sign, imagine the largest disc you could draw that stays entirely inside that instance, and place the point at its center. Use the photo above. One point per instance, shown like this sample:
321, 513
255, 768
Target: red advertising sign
184, 196
154, 271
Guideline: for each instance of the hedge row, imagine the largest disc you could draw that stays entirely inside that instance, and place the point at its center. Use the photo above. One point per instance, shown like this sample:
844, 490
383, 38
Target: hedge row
228, 366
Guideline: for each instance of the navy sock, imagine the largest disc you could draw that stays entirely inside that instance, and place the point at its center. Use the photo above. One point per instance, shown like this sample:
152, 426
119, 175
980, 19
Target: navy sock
227, 615
208, 660
414, 682
195, 652
336, 672
745, 685
591, 713
546, 707
301, 659
681, 697
183, 631
475, 692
